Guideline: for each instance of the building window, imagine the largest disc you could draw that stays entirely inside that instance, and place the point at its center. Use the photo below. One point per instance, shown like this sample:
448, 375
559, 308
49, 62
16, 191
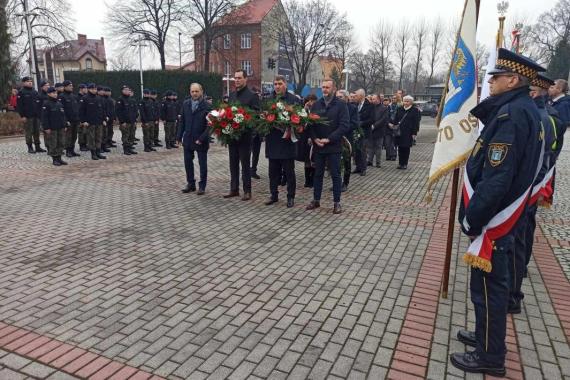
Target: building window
246, 66
227, 41
246, 41
88, 64
228, 68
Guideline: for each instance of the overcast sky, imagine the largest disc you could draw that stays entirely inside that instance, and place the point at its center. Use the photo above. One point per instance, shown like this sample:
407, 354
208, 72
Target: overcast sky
363, 14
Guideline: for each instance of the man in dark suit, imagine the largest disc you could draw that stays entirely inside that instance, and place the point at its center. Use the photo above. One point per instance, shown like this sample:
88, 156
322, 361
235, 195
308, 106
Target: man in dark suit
366, 115
280, 151
194, 137
240, 150
381, 119
327, 143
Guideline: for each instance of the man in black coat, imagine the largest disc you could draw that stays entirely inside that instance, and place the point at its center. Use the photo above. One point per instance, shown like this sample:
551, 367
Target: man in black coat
169, 113
91, 116
194, 137
327, 143
146, 110
354, 124
240, 150
29, 106
281, 151
127, 111
366, 115
381, 119
560, 101
71, 107
54, 125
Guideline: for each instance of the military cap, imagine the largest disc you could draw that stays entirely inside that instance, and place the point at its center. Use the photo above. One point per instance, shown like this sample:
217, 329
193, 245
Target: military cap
43, 82
51, 89
510, 62
108, 89
91, 85
174, 93
67, 83
58, 84
82, 85
125, 87
146, 91
542, 81
26, 79
153, 91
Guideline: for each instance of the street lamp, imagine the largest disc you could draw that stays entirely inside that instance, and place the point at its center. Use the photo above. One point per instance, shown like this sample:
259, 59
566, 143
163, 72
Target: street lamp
228, 79
346, 72
140, 45
180, 47
33, 72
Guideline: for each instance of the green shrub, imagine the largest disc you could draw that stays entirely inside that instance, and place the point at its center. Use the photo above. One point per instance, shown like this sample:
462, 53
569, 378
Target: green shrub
11, 124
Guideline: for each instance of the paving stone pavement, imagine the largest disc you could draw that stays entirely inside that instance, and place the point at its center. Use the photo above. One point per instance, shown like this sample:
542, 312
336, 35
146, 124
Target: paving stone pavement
112, 259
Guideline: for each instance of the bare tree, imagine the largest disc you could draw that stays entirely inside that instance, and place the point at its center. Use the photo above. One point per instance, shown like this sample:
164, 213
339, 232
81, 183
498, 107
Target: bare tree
144, 20
419, 38
482, 57
381, 40
343, 47
403, 38
211, 18
551, 28
48, 27
309, 30
366, 71
122, 62
435, 44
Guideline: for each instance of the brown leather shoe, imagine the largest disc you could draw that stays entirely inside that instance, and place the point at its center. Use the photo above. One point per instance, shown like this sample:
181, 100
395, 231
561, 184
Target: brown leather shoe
246, 197
270, 201
201, 192
313, 205
232, 194
337, 209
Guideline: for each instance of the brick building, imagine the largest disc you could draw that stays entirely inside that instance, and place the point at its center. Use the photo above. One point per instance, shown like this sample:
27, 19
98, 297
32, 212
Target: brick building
246, 44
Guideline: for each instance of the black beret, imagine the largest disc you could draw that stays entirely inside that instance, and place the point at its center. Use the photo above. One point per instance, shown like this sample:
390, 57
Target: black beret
146, 91
82, 85
26, 79
67, 83
125, 87
43, 82
58, 84
50, 90
91, 85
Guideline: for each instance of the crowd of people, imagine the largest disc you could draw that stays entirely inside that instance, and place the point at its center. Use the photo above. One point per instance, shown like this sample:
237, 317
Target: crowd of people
86, 119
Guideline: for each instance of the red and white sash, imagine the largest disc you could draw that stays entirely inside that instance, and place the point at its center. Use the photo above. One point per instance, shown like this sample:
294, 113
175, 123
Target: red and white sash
543, 189
480, 250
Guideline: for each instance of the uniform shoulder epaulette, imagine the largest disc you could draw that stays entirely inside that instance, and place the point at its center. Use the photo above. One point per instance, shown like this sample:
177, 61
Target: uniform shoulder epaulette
504, 112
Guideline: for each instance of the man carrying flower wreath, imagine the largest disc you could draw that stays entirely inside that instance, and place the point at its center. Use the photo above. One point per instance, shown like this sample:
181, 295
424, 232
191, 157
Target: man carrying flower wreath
281, 147
240, 150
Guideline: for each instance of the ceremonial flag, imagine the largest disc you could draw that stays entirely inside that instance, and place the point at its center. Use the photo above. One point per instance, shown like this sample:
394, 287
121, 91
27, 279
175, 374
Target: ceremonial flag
457, 129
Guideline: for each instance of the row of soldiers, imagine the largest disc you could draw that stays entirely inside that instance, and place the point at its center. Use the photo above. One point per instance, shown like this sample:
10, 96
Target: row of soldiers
87, 118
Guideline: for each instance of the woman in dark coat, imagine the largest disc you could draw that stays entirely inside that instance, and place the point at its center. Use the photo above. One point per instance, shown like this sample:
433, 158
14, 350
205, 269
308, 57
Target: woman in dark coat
304, 149
408, 120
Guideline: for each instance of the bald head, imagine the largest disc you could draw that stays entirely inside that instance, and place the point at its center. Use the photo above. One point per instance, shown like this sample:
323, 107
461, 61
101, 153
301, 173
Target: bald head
360, 94
196, 91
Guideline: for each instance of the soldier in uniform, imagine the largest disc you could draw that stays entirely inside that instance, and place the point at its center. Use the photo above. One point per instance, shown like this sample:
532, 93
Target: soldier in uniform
71, 107
281, 152
240, 150
155, 118
92, 115
179, 108
169, 113
28, 107
146, 110
59, 88
498, 178
81, 135
101, 95
54, 124
111, 115
127, 113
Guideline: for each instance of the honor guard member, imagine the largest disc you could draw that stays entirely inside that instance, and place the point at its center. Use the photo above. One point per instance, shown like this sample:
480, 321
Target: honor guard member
54, 124
59, 88
146, 110
499, 176
155, 118
240, 150
91, 116
81, 135
106, 111
280, 151
71, 107
127, 113
179, 107
111, 116
44, 85
29, 108
169, 113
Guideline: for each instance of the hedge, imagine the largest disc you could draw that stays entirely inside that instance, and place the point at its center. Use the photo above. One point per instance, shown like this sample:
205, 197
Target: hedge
159, 80
10, 124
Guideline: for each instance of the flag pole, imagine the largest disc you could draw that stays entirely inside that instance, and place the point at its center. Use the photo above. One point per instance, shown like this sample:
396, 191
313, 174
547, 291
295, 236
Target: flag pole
455, 178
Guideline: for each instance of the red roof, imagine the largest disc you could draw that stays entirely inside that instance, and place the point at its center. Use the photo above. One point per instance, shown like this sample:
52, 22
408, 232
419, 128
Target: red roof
252, 12
73, 50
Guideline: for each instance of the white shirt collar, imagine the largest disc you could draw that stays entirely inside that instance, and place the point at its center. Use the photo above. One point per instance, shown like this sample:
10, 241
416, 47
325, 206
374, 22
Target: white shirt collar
558, 98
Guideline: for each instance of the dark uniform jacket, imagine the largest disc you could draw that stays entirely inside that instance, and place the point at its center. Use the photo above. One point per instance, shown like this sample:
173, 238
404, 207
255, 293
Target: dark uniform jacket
146, 110
70, 105
409, 122
246, 98
354, 120
53, 115
28, 103
169, 110
276, 147
548, 125
109, 109
155, 110
562, 105
504, 160
381, 120
126, 110
194, 126
366, 115
91, 109
337, 125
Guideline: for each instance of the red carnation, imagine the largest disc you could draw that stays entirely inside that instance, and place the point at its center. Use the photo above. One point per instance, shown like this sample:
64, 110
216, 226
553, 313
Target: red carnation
241, 110
295, 119
314, 116
274, 106
229, 114
270, 118
223, 124
247, 116
235, 125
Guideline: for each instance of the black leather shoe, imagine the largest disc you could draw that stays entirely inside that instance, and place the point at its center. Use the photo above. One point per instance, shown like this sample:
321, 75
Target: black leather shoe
68, 154
126, 151
270, 201
369, 163
290, 202
470, 362
99, 155
232, 194
132, 150
189, 189
355, 171
39, 149
255, 175
157, 143
105, 149
337, 209
514, 308
344, 188
467, 338
313, 205
363, 173
55, 161
31, 149
201, 192
61, 161
94, 155
246, 197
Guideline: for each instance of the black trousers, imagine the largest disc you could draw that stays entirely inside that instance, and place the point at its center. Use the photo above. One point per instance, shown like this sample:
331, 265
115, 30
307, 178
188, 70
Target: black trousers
276, 168
347, 163
110, 132
360, 155
240, 153
189, 166
255, 149
403, 155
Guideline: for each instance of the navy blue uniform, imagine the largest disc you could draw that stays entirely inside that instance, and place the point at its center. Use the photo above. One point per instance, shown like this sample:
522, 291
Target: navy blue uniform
126, 111
71, 107
502, 165
29, 105
53, 123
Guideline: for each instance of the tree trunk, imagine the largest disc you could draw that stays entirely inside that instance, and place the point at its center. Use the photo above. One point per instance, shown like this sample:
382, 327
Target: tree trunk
207, 48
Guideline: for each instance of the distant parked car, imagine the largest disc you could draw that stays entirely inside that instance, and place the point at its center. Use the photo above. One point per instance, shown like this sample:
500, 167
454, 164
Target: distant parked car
427, 108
